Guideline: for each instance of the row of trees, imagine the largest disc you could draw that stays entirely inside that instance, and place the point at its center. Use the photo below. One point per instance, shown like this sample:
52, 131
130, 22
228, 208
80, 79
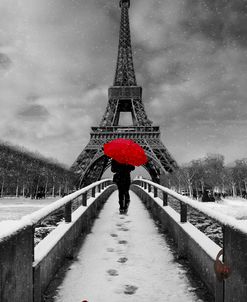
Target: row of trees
29, 174
210, 173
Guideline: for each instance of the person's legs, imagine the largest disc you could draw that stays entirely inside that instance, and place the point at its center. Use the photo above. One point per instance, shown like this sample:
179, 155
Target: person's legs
121, 197
126, 197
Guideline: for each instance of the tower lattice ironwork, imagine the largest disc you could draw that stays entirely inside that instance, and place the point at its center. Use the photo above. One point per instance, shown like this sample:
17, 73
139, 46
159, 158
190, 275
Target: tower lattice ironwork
124, 96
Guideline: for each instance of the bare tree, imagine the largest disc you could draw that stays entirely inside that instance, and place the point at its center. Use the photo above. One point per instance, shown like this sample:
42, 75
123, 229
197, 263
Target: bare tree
240, 176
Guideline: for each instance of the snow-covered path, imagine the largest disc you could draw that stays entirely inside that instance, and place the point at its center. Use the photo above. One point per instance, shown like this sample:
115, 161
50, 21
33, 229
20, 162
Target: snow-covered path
125, 258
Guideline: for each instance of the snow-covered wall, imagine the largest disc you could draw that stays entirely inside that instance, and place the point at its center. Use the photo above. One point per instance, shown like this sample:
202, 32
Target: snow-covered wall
16, 272
191, 243
59, 244
10, 227
222, 219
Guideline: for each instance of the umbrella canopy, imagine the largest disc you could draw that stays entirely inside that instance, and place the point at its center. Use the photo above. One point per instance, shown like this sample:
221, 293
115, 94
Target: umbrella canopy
125, 151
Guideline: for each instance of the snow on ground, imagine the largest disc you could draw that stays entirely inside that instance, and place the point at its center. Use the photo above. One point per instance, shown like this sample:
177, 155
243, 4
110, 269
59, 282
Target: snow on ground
15, 213
235, 207
125, 258
16, 208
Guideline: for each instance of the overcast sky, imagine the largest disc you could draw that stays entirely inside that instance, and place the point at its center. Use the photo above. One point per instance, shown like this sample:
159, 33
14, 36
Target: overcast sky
57, 60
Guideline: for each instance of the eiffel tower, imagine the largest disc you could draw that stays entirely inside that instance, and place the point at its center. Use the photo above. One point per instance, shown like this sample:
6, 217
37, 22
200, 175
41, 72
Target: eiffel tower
124, 96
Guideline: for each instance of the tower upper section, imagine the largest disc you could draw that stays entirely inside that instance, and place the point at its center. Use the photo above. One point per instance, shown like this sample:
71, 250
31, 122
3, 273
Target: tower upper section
125, 73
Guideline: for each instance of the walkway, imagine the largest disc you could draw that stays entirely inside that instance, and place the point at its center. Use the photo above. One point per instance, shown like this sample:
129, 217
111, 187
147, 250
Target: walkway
125, 258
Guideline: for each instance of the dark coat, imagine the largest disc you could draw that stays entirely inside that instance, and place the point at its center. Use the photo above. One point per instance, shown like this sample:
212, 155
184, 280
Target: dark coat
207, 197
122, 173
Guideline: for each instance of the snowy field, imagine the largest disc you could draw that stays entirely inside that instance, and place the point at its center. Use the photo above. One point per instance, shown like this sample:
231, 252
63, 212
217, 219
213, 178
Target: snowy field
125, 258
236, 207
15, 208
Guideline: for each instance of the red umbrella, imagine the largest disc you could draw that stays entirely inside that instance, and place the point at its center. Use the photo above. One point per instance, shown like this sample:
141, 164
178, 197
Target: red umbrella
125, 151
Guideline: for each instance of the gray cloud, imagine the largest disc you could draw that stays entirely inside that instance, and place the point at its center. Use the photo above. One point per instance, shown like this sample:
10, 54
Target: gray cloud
221, 21
33, 112
5, 61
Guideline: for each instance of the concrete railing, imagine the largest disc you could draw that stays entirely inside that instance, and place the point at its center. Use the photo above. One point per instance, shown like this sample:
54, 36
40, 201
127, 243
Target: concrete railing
25, 270
196, 246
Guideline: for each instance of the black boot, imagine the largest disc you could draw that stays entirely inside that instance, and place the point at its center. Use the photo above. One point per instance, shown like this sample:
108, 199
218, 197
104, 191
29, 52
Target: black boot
121, 208
126, 207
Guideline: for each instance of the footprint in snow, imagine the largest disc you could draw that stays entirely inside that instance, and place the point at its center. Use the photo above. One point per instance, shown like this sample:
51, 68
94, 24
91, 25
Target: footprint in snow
124, 229
112, 272
122, 241
130, 289
122, 259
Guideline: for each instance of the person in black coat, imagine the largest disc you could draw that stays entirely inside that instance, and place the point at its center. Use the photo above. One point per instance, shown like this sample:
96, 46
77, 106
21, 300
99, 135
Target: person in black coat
122, 179
207, 196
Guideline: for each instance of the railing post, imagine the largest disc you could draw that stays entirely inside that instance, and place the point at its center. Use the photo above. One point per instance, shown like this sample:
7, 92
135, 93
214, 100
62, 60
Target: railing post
235, 257
99, 188
155, 192
68, 212
16, 266
93, 192
149, 188
84, 199
145, 185
183, 212
165, 199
